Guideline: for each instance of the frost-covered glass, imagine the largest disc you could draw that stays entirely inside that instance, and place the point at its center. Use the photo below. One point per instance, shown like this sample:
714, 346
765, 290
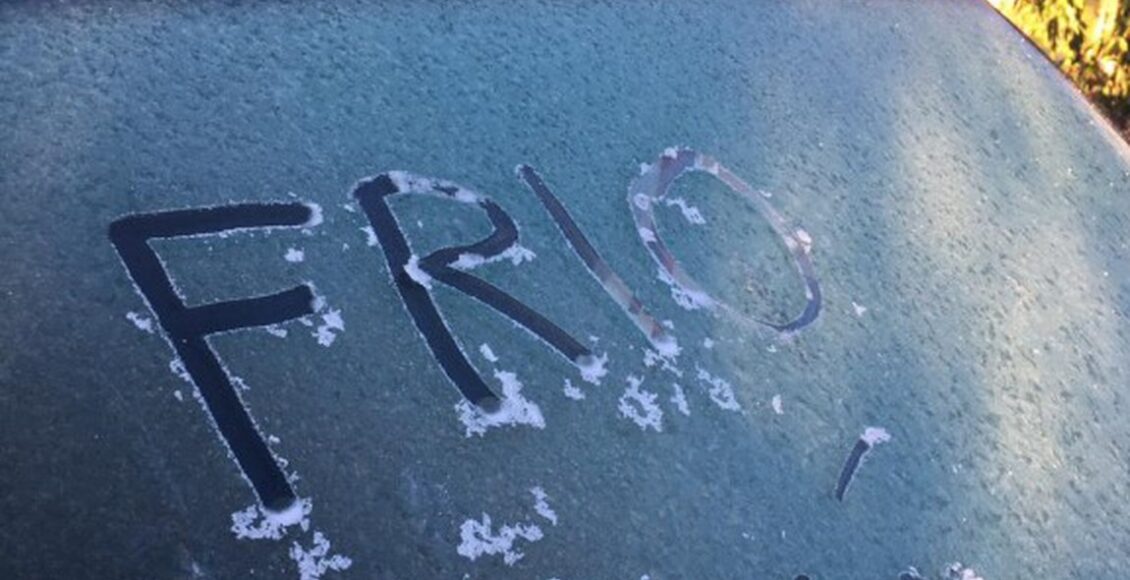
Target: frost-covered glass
556, 290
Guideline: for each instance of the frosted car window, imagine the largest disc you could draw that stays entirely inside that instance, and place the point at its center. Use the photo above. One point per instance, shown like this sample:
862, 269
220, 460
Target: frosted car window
554, 291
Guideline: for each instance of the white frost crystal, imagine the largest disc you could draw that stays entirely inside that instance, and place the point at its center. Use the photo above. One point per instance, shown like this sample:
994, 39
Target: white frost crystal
141, 321
294, 255
592, 368
721, 392
541, 505
680, 400
572, 391
479, 539
514, 410
485, 350
639, 406
690, 212
412, 268
256, 523
316, 561
875, 435
516, 254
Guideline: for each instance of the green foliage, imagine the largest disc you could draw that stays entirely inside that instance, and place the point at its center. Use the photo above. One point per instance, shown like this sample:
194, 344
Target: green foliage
1088, 40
